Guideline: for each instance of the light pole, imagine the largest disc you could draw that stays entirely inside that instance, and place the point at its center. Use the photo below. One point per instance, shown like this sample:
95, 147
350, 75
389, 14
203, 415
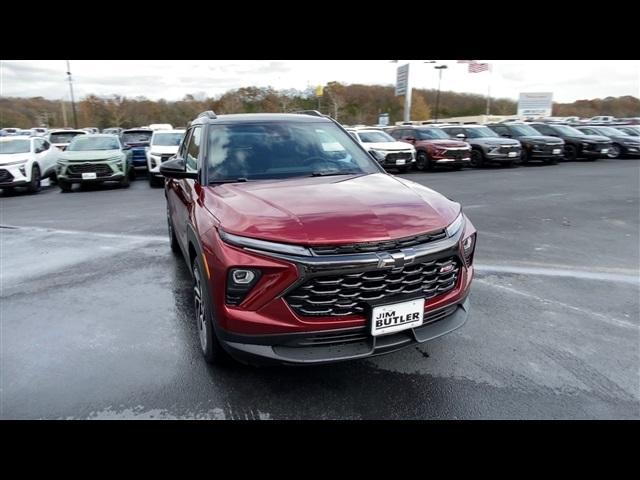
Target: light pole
73, 102
439, 68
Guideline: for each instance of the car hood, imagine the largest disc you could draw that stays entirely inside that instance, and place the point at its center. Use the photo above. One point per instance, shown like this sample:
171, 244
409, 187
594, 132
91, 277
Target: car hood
329, 210
444, 143
173, 149
89, 155
388, 146
540, 139
13, 157
591, 138
493, 141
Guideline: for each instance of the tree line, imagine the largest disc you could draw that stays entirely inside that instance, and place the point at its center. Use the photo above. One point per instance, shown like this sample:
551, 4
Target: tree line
349, 104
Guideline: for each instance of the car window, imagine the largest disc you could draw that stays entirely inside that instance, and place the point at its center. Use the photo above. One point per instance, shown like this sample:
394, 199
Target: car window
544, 129
193, 150
38, 145
500, 129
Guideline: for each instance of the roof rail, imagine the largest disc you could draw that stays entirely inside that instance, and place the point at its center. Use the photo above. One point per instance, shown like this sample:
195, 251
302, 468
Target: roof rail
315, 113
209, 114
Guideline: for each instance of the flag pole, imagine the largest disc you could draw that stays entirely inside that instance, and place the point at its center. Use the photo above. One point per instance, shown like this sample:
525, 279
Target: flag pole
489, 90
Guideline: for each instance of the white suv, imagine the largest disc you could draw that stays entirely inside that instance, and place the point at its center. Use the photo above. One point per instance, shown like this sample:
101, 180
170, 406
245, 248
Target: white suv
384, 148
24, 161
163, 145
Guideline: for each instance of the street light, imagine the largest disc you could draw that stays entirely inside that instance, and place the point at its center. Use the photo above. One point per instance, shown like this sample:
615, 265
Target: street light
73, 102
439, 68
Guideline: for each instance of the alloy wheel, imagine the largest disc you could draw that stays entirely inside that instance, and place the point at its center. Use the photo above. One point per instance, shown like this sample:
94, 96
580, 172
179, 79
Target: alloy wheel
201, 319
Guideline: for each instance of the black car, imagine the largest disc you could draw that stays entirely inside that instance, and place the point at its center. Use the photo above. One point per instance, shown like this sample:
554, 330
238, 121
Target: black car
576, 143
622, 143
535, 146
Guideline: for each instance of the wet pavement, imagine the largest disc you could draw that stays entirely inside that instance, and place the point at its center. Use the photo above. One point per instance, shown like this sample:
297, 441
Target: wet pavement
96, 315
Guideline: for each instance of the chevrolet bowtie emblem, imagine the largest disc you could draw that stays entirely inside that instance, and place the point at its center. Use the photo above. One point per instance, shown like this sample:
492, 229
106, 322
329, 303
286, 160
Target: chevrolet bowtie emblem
396, 259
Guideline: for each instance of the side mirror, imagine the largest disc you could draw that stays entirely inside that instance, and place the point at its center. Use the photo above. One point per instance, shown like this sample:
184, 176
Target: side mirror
411, 139
461, 136
507, 135
126, 147
176, 168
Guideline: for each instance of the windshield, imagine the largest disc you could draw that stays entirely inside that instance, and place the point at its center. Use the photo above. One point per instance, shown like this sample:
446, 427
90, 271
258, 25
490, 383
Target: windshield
612, 132
85, 143
15, 146
431, 134
283, 150
525, 130
568, 130
480, 132
375, 137
63, 137
167, 139
136, 137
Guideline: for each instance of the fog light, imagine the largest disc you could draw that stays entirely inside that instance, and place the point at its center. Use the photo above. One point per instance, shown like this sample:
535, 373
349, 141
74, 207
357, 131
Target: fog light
240, 281
22, 170
242, 277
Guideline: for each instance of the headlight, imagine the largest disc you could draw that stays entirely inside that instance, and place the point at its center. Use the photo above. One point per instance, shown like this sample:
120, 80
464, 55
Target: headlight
455, 226
468, 247
240, 281
378, 155
253, 243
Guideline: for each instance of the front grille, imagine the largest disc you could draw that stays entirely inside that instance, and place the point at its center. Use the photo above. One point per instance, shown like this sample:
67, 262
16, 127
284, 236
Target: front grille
347, 294
457, 154
507, 149
100, 169
368, 247
392, 157
5, 176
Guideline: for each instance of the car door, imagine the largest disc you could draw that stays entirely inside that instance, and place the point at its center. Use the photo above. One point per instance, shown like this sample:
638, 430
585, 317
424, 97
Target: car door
50, 155
182, 191
40, 155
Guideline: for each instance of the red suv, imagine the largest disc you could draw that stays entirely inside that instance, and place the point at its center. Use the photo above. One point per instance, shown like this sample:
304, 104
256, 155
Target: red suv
303, 249
434, 147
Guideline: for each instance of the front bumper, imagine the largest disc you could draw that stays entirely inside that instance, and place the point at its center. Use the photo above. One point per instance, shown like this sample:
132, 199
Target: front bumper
324, 347
104, 171
595, 151
545, 152
12, 176
495, 155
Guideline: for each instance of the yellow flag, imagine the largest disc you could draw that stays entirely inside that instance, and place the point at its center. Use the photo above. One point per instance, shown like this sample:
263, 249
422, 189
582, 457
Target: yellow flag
319, 90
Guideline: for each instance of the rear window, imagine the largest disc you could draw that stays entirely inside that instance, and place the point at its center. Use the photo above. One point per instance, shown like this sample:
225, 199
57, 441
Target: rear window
63, 137
137, 137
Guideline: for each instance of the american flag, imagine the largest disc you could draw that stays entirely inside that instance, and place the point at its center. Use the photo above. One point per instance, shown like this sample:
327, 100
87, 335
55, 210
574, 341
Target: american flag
475, 67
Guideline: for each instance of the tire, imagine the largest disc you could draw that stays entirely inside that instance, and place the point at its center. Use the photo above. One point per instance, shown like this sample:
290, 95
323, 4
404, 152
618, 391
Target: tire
64, 185
477, 160
570, 153
173, 240
422, 161
155, 182
614, 151
525, 157
125, 182
35, 183
204, 316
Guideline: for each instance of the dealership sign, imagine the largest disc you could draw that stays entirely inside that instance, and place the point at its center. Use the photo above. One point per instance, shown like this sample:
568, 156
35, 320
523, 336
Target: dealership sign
538, 103
402, 80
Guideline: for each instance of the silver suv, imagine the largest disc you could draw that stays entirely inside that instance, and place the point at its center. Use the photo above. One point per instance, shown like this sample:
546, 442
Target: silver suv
486, 145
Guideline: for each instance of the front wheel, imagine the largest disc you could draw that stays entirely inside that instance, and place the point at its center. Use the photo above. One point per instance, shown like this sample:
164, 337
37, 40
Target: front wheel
34, 185
476, 158
64, 185
209, 343
422, 161
614, 151
125, 182
570, 153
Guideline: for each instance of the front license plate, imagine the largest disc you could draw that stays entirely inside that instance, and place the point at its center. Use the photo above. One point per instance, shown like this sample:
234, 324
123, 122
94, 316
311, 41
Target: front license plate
556, 151
89, 176
513, 154
400, 162
398, 316
604, 150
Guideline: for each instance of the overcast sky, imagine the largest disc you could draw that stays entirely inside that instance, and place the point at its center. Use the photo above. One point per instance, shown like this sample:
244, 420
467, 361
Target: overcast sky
569, 80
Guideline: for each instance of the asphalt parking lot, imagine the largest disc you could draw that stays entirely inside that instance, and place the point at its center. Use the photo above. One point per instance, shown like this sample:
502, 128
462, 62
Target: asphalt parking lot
96, 312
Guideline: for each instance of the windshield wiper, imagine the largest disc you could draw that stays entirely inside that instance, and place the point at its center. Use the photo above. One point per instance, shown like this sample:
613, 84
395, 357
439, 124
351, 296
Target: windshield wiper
330, 173
229, 180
